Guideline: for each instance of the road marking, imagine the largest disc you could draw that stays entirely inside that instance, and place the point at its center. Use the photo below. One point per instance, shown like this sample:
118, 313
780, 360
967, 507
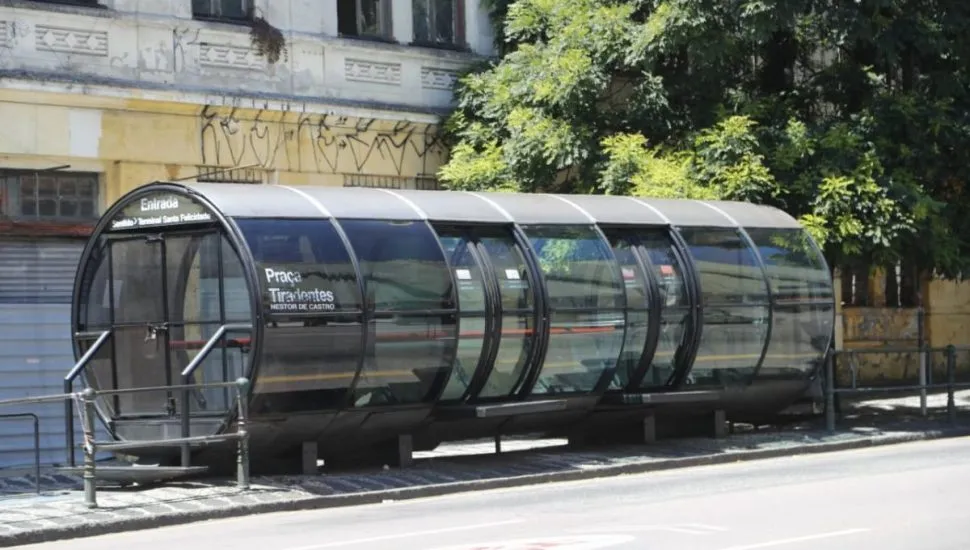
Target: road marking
682, 528
794, 540
406, 535
589, 542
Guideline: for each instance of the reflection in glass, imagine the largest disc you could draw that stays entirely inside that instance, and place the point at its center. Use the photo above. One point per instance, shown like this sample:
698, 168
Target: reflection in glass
735, 298
413, 328
138, 274
518, 314
668, 269
312, 340
804, 302
586, 300
471, 301
94, 302
637, 315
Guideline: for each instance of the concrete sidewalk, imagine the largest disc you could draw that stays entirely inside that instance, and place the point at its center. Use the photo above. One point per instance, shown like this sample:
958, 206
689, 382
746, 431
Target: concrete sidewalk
59, 513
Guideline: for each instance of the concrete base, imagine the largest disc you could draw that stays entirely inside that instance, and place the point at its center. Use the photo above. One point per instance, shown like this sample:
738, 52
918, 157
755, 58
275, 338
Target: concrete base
405, 451
649, 426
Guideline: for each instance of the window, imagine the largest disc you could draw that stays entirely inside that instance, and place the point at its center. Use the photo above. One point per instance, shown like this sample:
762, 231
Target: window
803, 302
438, 21
49, 196
735, 299
411, 300
586, 300
313, 333
364, 18
222, 9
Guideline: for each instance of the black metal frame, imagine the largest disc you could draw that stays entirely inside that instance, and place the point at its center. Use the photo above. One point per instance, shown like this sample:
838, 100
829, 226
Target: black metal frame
229, 229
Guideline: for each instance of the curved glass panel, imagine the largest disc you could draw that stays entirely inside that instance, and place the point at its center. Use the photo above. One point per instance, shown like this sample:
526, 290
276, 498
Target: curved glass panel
804, 302
735, 298
412, 328
312, 337
635, 287
586, 305
471, 302
518, 314
675, 307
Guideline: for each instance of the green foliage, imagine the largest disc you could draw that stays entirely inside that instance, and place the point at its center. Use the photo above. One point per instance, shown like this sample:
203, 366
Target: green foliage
850, 116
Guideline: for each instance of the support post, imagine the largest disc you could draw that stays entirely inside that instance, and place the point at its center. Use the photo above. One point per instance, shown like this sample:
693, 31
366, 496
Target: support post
923, 359
90, 473
650, 429
405, 451
69, 423
242, 446
830, 391
951, 367
498, 444
720, 424
185, 421
309, 458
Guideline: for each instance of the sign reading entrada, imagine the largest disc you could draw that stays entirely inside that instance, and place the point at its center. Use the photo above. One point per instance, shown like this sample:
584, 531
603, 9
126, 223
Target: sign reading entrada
289, 292
161, 210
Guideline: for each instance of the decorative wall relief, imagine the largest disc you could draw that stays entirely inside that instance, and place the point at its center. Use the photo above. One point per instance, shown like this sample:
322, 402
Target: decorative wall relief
225, 56
296, 141
434, 78
359, 70
71, 41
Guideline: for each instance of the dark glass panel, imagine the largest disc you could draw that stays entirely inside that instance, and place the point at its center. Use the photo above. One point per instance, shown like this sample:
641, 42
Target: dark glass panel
312, 339
637, 316
141, 363
471, 301
405, 273
302, 265
307, 363
94, 297
227, 361
405, 358
518, 318
798, 276
518, 333
580, 273
735, 298
675, 310
799, 337
796, 269
402, 265
193, 283
138, 273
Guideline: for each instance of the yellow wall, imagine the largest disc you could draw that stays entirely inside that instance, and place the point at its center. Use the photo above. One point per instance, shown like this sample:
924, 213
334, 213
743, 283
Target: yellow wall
136, 141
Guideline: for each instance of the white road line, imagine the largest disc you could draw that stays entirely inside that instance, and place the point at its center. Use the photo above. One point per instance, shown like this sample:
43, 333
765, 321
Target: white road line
406, 535
782, 542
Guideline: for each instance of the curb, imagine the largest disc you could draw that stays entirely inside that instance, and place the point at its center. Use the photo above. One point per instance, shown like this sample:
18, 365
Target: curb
375, 497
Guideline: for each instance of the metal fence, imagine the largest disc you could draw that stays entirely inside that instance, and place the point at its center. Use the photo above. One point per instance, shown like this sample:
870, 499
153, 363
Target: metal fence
935, 368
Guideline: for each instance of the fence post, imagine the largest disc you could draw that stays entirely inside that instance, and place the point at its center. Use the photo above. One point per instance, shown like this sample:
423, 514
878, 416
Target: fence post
242, 445
69, 423
90, 481
951, 367
830, 390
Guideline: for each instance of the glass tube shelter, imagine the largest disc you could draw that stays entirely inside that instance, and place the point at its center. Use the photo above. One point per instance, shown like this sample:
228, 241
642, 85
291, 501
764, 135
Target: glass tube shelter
370, 313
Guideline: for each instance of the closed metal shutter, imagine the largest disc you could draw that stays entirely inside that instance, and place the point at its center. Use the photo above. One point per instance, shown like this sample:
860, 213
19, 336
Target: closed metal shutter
36, 281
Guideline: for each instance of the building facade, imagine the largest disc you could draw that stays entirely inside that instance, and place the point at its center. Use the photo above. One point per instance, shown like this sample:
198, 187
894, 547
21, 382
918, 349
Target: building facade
98, 97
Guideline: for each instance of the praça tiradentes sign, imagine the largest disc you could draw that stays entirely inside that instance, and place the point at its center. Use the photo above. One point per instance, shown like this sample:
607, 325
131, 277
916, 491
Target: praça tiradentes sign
160, 210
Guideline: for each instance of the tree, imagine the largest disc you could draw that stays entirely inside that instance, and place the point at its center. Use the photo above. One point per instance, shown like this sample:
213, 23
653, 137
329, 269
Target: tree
850, 116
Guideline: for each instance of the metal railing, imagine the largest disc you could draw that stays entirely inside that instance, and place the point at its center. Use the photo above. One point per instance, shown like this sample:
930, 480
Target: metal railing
92, 446
189, 371
923, 386
32, 416
69, 379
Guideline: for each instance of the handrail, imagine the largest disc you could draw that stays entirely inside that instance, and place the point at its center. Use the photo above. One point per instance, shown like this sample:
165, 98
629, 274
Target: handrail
187, 373
21, 416
76, 371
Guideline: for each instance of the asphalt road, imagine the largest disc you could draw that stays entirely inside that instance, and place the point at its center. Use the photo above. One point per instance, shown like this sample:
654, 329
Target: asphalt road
901, 497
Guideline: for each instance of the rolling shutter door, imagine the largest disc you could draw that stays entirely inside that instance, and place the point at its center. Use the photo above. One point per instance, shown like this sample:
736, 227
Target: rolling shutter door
36, 282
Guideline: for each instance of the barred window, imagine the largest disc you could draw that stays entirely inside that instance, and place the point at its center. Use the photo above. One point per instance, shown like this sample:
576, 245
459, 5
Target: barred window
49, 195
428, 183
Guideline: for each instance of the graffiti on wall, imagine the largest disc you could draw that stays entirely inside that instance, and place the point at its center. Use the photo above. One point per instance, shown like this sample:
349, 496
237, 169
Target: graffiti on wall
296, 141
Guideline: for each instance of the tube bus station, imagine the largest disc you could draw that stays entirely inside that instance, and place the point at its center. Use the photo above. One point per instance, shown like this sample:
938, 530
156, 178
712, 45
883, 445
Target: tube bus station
373, 322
